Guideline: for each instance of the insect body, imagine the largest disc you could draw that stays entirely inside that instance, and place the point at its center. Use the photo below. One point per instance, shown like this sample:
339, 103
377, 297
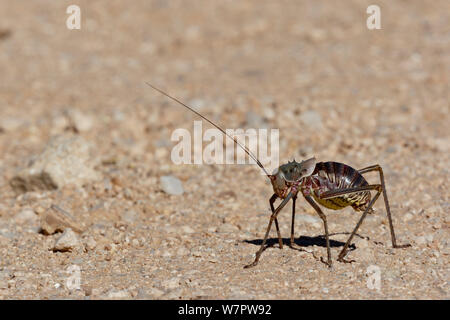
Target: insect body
329, 176
332, 185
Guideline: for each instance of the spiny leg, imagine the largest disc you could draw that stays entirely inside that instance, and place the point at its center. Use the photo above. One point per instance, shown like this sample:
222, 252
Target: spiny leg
386, 202
272, 217
271, 201
293, 220
325, 225
340, 192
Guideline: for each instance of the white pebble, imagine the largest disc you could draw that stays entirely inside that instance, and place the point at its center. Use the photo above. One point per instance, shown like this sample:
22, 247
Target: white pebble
67, 242
171, 185
26, 215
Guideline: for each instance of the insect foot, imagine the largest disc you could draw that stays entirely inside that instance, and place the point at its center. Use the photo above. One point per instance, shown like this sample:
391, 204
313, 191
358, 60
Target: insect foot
341, 259
399, 246
251, 265
328, 263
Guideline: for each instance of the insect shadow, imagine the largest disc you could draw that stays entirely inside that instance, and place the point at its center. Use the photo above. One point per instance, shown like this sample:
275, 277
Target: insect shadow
306, 241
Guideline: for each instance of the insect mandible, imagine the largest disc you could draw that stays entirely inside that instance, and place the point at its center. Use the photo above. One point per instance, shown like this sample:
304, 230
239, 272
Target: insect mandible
332, 185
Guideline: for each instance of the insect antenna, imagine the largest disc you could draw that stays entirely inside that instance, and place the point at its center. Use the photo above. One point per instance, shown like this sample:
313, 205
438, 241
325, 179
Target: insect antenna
251, 155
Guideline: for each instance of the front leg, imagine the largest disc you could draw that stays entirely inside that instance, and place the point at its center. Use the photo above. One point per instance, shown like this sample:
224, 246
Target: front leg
271, 202
272, 218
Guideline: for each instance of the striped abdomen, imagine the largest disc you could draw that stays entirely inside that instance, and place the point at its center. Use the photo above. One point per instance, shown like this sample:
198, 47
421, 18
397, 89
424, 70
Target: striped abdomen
331, 176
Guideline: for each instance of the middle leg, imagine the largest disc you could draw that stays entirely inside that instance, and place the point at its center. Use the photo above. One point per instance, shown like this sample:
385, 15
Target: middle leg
293, 220
325, 225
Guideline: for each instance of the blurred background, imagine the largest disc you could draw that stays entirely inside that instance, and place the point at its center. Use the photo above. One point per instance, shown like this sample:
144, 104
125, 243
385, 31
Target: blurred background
335, 90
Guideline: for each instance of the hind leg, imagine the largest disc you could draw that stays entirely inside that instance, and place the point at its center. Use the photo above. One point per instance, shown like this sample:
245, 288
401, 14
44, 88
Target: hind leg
386, 202
337, 193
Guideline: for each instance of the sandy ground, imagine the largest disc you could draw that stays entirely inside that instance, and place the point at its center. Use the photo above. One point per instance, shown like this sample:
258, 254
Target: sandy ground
334, 89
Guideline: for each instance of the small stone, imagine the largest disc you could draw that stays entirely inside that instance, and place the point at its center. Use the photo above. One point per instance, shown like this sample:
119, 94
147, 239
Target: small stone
5, 276
421, 240
118, 294
182, 251
407, 217
87, 290
187, 229
171, 283
227, 228
11, 123
129, 216
311, 118
26, 216
90, 244
56, 219
65, 160
155, 292
118, 237
363, 243
161, 153
80, 121
110, 247
67, 242
255, 121
196, 253
173, 294
171, 185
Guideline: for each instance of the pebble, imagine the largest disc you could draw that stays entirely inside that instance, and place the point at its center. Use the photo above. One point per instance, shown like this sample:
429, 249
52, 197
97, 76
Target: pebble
129, 216
5, 276
26, 216
91, 244
187, 229
171, 185
67, 242
55, 219
255, 121
11, 123
196, 253
118, 294
311, 118
407, 217
363, 243
182, 251
65, 160
227, 228
80, 120
424, 239
155, 292
171, 283
173, 294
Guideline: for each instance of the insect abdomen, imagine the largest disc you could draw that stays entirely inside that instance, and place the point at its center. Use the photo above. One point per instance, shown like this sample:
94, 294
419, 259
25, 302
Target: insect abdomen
340, 176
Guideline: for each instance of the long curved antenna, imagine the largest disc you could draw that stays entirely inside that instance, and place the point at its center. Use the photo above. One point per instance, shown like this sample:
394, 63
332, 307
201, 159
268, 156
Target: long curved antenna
251, 155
